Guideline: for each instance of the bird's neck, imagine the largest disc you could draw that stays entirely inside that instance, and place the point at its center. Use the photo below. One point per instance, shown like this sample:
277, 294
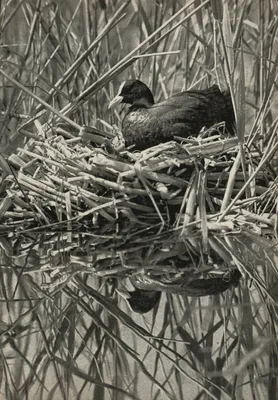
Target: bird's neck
141, 103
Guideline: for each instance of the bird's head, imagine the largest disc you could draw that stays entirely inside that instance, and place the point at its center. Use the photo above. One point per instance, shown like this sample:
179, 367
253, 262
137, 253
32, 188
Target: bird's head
133, 92
140, 301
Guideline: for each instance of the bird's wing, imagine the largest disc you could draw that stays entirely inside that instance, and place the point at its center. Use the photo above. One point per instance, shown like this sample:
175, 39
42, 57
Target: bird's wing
179, 108
186, 106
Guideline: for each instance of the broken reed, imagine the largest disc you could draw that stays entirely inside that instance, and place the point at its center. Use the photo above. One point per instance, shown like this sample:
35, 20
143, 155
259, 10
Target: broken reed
80, 180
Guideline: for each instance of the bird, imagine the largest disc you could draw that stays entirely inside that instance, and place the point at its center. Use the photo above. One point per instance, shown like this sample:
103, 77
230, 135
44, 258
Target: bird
147, 124
140, 301
188, 286
148, 290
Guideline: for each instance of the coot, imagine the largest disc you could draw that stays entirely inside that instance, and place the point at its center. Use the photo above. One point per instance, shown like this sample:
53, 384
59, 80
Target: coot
190, 287
147, 124
148, 290
141, 301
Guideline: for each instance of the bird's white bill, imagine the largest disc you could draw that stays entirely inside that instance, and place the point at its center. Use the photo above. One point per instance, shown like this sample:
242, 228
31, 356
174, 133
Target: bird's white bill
117, 99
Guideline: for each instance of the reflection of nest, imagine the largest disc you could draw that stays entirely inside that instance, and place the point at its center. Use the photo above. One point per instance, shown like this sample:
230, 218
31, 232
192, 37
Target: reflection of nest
159, 262
167, 212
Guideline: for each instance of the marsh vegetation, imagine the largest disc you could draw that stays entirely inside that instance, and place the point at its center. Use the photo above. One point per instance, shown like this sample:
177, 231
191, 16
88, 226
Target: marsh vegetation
79, 217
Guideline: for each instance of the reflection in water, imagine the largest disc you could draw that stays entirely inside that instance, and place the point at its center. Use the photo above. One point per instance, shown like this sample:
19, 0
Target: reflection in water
60, 314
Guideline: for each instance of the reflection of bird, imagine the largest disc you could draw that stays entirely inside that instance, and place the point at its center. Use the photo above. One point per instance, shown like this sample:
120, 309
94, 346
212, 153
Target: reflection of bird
189, 287
184, 114
141, 301
148, 290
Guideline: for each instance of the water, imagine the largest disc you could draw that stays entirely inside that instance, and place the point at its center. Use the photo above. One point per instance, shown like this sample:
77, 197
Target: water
63, 324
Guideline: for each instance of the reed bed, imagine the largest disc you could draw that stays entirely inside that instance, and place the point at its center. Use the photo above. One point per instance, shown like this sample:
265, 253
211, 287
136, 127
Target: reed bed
183, 197
81, 215
79, 180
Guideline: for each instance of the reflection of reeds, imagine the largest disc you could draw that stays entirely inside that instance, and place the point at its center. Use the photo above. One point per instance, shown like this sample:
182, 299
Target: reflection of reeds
79, 213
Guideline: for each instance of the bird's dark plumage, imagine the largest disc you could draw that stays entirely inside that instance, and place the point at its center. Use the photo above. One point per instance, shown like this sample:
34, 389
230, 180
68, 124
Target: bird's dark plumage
148, 290
147, 124
190, 287
141, 301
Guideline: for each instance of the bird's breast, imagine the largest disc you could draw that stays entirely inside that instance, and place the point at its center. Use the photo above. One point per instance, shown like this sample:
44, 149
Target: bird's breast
142, 129
135, 117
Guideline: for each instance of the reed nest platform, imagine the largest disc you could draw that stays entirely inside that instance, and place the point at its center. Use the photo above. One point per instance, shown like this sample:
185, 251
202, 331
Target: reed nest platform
198, 207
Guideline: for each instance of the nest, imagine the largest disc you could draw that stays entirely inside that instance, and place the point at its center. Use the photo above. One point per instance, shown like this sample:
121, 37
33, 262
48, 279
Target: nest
179, 208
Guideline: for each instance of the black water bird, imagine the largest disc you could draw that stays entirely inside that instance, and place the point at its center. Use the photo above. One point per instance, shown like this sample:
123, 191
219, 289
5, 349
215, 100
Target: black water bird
148, 290
147, 124
188, 286
141, 301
